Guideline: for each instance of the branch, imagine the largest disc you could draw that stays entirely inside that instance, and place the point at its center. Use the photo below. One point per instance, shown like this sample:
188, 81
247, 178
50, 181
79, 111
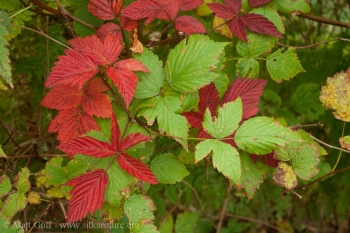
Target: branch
257, 221
330, 146
46, 7
320, 19
224, 207
313, 45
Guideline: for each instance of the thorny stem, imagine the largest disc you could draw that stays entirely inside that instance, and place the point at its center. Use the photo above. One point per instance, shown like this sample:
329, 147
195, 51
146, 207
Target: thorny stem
341, 150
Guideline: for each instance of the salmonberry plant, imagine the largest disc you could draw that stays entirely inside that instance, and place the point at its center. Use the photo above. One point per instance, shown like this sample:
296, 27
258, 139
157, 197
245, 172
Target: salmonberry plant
132, 118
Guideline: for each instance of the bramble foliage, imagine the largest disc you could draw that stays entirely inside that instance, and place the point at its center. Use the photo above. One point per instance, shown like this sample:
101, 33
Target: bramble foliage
162, 114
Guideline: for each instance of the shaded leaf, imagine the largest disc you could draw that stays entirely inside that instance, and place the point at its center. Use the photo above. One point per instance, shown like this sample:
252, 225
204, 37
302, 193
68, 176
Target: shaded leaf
186, 222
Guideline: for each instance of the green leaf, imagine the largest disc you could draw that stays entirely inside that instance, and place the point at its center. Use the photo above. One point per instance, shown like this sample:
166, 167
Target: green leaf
5, 185
305, 101
139, 207
191, 66
227, 121
168, 121
257, 45
2, 153
144, 228
225, 157
167, 226
272, 16
149, 83
186, 222
285, 176
18, 19
252, 175
13, 203
84, 15
75, 168
187, 157
168, 169
56, 173
289, 6
261, 135
5, 226
22, 181
248, 67
283, 66
5, 67
306, 137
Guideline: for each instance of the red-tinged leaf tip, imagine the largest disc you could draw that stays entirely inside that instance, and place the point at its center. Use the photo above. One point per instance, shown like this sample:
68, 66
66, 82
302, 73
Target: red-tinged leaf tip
94, 102
72, 123
87, 146
109, 29
189, 25
105, 9
132, 65
260, 24
72, 69
143, 9
125, 80
194, 118
238, 29
208, 98
87, 194
136, 168
250, 91
258, 3
133, 139
187, 5
104, 53
221, 10
115, 134
128, 24
63, 98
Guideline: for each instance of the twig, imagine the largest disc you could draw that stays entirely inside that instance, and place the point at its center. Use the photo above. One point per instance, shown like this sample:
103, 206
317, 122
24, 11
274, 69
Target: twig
224, 207
65, 16
313, 45
257, 221
299, 126
39, 217
10, 135
324, 20
330, 146
46, 7
195, 193
172, 209
62, 208
43, 34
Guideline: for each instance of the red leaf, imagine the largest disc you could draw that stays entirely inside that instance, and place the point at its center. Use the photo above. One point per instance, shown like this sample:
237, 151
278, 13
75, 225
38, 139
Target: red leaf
187, 5
128, 24
105, 9
125, 80
94, 102
142, 9
260, 24
250, 91
72, 123
102, 53
109, 29
268, 159
189, 25
132, 65
203, 134
170, 9
238, 29
136, 168
258, 3
236, 5
221, 10
87, 194
208, 98
72, 69
115, 134
133, 139
194, 118
63, 98
87, 146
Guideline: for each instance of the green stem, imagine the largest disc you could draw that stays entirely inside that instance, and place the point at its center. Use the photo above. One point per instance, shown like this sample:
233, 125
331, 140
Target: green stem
20, 11
341, 150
